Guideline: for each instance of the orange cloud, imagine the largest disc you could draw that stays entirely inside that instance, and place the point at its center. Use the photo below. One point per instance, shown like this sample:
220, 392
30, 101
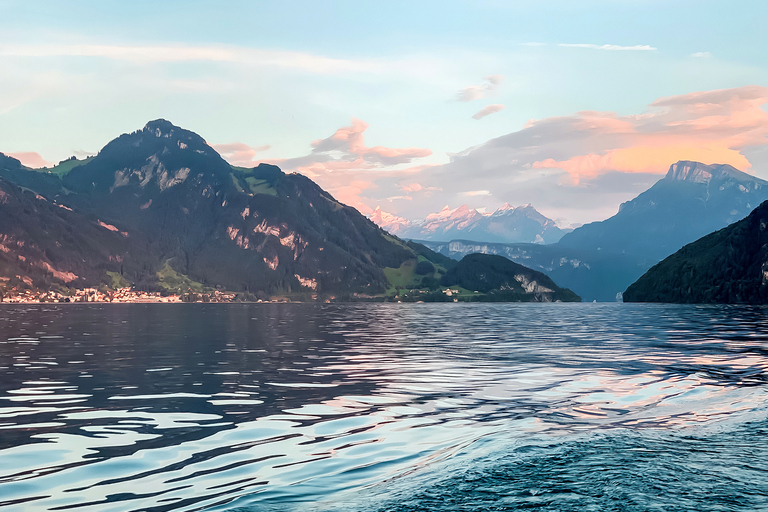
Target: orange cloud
710, 127
350, 139
344, 166
237, 153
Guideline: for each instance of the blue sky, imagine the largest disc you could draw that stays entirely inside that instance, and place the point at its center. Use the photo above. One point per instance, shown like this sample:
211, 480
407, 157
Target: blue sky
262, 81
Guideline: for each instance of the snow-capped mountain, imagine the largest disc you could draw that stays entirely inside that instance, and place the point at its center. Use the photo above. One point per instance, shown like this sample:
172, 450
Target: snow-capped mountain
392, 223
508, 224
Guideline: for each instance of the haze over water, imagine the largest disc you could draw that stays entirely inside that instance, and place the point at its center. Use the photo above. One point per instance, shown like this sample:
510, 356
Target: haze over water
383, 407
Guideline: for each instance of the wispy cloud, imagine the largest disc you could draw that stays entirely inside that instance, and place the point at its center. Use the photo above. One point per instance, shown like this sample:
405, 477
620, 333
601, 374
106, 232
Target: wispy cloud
476, 92
345, 166
185, 53
418, 187
616, 47
488, 110
237, 153
701, 55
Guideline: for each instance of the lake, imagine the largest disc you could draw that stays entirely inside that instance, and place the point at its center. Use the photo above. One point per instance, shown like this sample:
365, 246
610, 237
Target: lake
383, 407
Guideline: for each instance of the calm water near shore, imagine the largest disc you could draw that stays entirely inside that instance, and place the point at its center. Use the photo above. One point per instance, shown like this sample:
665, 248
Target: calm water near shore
383, 407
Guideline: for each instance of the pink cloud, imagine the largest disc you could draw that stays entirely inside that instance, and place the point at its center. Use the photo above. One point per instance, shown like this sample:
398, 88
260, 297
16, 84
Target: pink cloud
350, 140
347, 168
488, 110
31, 159
237, 153
412, 187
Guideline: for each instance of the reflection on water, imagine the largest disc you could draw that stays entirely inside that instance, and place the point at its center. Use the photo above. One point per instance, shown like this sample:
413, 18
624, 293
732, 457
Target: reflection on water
382, 407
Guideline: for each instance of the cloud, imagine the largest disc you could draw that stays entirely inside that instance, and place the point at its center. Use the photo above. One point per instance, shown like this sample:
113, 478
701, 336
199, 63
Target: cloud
712, 127
476, 92
346, 167
701, 55
582, 166
31, 159
488, 110
237, 153
417, 187
473, 193
637, 47
180, 53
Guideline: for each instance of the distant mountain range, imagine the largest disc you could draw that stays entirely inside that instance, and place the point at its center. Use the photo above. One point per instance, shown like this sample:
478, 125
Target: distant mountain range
599, 260
159, 209
727, 266
508, 224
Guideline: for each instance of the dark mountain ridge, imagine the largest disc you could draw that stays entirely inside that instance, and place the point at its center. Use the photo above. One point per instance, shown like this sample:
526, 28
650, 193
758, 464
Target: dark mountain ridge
728, 266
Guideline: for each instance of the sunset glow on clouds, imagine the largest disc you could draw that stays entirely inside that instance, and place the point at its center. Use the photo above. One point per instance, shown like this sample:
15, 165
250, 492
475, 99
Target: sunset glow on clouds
710, 127
564, 156
240, 154
346, 167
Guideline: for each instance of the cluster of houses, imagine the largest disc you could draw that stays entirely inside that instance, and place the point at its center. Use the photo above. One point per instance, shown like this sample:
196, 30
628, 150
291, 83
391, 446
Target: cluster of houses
120, 295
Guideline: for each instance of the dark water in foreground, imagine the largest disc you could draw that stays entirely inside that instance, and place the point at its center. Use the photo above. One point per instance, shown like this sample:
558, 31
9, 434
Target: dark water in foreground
554, 407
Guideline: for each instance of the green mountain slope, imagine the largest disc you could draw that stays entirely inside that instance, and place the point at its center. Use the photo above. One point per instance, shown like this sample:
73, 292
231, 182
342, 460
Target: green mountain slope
727, 266
495, 278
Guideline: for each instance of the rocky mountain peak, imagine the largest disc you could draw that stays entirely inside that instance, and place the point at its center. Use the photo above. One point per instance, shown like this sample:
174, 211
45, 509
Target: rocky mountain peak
685, 170
697, 172
160, 127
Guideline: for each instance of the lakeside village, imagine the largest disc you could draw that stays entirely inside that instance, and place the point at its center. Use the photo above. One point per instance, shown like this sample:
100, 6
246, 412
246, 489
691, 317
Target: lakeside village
129, 295
120, 295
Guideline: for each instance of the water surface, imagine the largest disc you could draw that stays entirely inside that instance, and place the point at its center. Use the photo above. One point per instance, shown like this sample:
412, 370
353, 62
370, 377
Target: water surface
383, 407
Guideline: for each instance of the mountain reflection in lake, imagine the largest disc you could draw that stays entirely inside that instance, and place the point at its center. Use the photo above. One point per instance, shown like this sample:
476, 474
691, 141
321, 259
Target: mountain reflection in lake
383, 407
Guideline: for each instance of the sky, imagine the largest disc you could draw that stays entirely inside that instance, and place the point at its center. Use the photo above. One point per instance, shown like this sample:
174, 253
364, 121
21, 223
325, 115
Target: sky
571, 106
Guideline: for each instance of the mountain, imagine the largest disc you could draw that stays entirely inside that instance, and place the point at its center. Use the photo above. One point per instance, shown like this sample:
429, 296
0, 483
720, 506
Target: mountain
159, 209
727, 266
190, 217
508, 224
692, 200
496, 278
389, 222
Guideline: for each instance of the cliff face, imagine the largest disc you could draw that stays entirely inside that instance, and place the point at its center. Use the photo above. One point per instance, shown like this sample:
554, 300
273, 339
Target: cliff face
729, 266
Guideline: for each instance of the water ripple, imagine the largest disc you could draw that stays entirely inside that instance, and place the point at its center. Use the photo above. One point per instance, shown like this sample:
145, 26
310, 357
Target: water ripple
382, 407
